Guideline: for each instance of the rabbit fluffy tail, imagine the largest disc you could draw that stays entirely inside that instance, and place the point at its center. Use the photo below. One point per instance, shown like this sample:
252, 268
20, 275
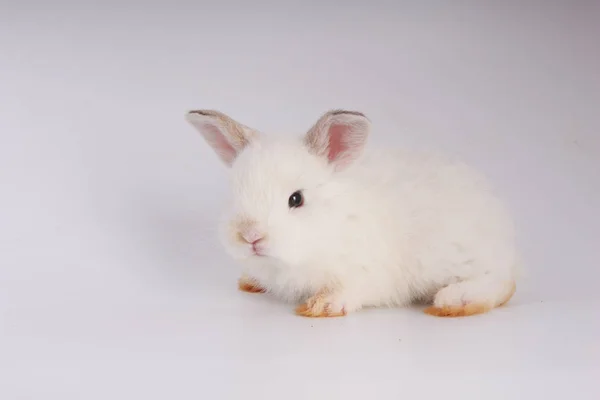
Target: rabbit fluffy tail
475, 296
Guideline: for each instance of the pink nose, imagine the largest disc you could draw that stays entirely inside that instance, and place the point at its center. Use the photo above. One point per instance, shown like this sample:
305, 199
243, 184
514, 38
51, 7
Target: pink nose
252, 237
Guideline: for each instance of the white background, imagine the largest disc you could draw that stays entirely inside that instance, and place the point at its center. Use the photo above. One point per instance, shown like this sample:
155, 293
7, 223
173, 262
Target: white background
112, 283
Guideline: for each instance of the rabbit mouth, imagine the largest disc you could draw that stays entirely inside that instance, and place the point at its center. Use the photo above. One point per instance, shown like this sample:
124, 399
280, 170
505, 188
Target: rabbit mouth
258, 253
258, 250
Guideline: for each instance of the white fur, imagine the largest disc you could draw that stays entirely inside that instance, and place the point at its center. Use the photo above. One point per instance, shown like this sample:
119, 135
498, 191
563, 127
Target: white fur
391, 228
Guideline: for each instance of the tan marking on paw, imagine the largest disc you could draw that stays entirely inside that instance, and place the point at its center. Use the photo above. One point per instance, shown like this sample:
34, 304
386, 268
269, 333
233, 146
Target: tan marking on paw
318, 306
250, 286
457, 311
468, 309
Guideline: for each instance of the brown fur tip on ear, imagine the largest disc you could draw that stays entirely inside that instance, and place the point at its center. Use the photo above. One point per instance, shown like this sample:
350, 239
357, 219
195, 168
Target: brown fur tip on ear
206, 113
356, 113
201, 112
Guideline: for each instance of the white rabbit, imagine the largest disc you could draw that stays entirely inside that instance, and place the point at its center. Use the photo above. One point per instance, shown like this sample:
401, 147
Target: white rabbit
316, 219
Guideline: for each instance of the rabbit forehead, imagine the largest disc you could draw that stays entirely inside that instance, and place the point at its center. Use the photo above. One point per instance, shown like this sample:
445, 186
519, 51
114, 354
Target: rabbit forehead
270, 169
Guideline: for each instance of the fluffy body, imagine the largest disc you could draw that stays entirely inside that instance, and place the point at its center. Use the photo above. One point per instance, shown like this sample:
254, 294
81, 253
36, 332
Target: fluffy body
390, 228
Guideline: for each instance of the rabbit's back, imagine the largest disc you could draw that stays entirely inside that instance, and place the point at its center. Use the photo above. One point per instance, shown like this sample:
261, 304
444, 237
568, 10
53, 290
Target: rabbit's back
430, 221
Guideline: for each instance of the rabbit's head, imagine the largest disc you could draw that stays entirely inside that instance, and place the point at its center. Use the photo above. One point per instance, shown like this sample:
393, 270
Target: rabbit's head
288, 193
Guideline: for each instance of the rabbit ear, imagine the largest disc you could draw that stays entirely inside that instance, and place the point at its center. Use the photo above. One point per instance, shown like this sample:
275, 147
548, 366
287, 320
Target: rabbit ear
340, 136
226, 136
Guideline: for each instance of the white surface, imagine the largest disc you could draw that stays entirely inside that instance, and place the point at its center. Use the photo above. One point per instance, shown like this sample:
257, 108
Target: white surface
112, 284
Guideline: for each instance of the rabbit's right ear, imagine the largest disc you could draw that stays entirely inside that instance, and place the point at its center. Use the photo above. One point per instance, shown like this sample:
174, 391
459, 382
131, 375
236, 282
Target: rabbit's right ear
227, 137
339, 136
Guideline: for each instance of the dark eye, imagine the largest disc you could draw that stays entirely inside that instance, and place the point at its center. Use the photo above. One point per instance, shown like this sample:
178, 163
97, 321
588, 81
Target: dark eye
296, 199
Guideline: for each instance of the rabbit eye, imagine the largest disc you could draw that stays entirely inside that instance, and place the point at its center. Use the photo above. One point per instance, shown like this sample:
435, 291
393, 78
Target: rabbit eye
296, 200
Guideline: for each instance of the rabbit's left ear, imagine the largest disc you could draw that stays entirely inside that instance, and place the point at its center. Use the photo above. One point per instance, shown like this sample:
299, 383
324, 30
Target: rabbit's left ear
339, 136
227, 137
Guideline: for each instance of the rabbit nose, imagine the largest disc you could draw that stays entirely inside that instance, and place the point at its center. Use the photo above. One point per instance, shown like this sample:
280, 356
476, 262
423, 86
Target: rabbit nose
252, 237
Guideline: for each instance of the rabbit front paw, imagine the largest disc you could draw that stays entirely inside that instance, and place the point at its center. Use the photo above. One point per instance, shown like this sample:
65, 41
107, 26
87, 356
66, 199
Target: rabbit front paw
250, 285
325, 303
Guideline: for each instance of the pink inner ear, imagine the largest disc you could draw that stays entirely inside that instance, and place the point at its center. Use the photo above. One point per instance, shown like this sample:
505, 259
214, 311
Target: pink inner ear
337, 144
220, 144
